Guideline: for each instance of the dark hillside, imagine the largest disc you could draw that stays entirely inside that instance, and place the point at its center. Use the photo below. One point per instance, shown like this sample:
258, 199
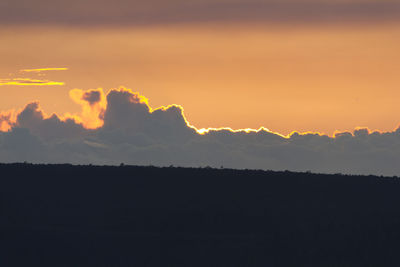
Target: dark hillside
63, 215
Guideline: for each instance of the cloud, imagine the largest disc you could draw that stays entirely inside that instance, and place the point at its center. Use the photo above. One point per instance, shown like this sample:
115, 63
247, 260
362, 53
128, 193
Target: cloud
128, 116
20, 145
127, 12
128, 130
92, 97
28, 82
42, 70
93, 105
6, 120
48, 128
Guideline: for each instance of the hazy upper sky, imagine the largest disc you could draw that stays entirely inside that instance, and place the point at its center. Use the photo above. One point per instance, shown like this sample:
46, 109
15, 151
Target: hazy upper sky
131, 13
302, 65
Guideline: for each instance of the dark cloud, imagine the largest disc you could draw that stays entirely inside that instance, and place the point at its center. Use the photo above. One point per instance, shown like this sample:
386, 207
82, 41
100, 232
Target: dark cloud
50, 128
134, 133
92, 97
20, 145
127, 12
130, 113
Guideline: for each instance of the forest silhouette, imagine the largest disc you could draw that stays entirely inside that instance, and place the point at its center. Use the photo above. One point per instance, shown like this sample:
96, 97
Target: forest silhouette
66, 215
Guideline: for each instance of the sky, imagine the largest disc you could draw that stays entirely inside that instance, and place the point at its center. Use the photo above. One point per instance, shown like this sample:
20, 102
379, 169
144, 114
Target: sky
288, 66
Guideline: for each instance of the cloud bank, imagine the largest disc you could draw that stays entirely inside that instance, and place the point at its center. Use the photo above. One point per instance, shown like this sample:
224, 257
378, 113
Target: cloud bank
121, 127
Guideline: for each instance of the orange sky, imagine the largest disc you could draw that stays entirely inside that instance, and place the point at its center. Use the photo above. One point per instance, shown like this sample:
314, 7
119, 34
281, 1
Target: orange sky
306, 78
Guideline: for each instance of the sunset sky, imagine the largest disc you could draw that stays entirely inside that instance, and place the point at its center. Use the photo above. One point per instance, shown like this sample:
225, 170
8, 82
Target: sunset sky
301, 85
285, 65
143, 128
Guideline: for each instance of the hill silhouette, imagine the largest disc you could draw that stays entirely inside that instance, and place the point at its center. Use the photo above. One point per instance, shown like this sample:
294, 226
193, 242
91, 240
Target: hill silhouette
65, 215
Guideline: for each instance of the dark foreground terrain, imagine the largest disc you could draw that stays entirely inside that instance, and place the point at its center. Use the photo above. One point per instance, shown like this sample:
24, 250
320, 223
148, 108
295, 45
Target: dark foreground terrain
63, 215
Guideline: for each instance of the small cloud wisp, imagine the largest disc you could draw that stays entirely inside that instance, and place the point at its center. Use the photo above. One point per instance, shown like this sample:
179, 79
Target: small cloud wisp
42, 70
28, 82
